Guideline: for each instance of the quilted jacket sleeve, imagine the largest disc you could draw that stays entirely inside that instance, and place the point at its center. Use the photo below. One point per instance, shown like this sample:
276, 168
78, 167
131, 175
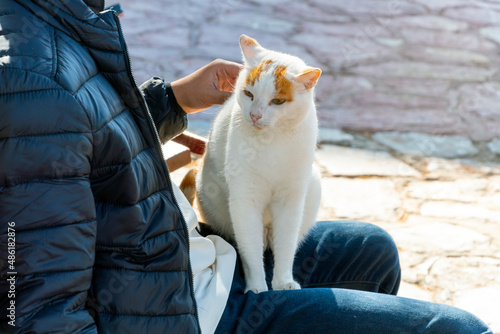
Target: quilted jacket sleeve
168, 116
46, 200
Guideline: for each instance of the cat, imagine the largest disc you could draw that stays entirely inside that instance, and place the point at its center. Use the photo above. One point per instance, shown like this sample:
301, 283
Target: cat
257, 183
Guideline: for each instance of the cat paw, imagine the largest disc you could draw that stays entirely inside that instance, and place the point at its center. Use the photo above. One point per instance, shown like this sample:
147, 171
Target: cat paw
256, 289
286, 285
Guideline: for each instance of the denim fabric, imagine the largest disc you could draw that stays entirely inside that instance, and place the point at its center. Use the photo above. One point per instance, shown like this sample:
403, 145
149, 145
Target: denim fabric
350, 273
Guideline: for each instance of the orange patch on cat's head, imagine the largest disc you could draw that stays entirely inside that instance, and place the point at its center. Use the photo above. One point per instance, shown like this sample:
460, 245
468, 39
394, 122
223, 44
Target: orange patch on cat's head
257, 71
284, 87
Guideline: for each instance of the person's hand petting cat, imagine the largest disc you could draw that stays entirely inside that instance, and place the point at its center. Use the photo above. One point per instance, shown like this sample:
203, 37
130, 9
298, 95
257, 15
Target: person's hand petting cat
211, 84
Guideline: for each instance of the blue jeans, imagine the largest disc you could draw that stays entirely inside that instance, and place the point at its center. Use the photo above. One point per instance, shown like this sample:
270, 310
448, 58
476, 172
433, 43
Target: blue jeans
350, 274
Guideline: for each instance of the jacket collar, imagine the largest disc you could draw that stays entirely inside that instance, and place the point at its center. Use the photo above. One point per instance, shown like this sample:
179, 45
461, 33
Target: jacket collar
96, 5
85, 24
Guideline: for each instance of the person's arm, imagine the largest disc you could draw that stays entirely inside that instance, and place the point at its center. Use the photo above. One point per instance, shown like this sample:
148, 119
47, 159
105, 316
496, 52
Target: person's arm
169, 103
47, 213
170, 119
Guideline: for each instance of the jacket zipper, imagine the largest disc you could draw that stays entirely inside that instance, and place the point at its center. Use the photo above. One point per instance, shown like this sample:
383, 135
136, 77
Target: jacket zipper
160, 152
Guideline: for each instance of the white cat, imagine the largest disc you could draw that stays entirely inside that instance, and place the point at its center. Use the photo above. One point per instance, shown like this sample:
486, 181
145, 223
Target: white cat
257, 184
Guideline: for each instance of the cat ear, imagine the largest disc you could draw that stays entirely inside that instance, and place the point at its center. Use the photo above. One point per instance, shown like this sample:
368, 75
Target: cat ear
308, 78
249, 48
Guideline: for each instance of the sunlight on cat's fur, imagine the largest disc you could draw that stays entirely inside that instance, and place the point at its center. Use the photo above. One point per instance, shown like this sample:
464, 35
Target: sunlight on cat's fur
257, 183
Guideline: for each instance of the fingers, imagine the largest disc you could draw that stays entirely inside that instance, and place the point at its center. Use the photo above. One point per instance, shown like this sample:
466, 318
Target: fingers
222, 97
227, 74
233, 69
230, 67
212, 84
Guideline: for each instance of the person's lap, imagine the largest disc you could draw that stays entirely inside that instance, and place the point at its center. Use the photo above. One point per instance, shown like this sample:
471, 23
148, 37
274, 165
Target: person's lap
339, 266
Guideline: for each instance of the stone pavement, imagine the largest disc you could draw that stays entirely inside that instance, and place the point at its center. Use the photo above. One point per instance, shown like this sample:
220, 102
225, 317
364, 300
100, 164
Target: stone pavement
441, 207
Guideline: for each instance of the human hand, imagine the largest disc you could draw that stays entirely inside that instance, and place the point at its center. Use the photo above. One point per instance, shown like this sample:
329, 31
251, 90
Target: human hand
211, 84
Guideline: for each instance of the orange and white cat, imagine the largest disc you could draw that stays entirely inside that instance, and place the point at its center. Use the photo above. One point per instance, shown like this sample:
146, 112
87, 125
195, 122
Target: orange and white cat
258, 184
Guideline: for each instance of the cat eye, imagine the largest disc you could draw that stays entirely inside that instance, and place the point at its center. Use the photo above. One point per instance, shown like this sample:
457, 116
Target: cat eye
277, 101
247, 93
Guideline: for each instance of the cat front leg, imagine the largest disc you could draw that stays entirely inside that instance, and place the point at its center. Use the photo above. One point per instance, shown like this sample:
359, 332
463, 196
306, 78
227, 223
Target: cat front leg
246, 216
287, 213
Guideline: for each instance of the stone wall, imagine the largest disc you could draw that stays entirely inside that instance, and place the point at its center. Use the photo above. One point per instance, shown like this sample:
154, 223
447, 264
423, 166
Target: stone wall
394, 65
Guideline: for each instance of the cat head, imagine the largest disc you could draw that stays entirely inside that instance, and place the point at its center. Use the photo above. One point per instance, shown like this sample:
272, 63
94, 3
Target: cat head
274, 89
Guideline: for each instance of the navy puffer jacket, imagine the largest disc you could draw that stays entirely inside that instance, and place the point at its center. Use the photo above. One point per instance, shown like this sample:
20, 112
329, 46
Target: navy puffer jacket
100, 243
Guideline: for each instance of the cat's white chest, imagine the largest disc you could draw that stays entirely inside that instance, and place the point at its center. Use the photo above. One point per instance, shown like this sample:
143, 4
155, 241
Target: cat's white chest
274, 156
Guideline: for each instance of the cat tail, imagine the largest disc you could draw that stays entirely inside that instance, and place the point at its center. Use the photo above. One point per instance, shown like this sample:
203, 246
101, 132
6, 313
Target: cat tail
188, 185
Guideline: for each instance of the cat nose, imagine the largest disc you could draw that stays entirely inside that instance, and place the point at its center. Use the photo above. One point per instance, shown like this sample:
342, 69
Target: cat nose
254, 117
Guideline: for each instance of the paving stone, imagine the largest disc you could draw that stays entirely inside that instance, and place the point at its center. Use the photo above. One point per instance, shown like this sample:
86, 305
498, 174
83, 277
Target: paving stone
148, 54
482, 167
229, 51
158, 39
445, 55
482, 302
342, 51
325, 213
413, 291
430, 22
480, 99
494, 146
409, 261
343, 161
372, 200
391, 42
437, 6
400, 101
474, 15
447, 39
191, 64
463, 211
489, 229
382, 9
424, 71
220, 8
423, 87
379, 118
335, 136
492, 33
306, 13
461, 190
435, 168
370, 29
330, 88
261, 21
443, 238
492, 130
427, 145
489, 4
156, 11
133, 26
462, 273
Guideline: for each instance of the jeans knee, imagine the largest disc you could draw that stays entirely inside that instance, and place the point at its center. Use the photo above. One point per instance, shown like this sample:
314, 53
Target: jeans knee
369, 236
383, 252
455, 320
382, 241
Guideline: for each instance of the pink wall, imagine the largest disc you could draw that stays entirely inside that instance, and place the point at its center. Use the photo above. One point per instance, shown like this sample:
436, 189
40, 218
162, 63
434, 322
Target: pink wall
413, 65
